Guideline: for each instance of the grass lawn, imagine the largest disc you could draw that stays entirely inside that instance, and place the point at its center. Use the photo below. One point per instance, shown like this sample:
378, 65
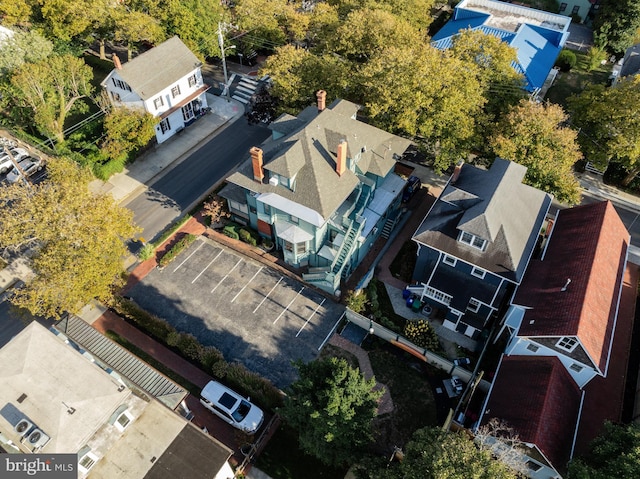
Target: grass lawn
413, 401
574, 81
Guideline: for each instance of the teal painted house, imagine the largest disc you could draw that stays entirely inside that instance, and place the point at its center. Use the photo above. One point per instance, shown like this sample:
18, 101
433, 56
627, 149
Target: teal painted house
323, 189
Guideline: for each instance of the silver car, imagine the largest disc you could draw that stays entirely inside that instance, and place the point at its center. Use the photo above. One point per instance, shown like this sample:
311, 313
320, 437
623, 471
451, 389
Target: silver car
5, 160
29, 165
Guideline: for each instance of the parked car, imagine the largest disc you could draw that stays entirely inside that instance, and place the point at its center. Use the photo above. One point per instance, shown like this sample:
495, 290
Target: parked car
5, 160
411, 188
231, 407
457, 384
29, 165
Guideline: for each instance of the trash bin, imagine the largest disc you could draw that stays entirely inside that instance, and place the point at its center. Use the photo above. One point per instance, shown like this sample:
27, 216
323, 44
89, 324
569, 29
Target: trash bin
417, 304
410, 301
405, 293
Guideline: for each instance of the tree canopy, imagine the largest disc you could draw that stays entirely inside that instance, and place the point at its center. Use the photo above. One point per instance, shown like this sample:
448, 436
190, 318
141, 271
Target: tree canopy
332, 407
533, 134
609, 124
617, 25
615, 453
77, 239
23, 47
51, 89
127, 131
435, 454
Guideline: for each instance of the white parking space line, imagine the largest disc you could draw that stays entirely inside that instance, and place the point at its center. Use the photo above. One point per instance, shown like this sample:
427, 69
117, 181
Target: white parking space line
265, 298
311, 316
187, 258
243, 288
226, 275
206, 267
330, 332
288, 305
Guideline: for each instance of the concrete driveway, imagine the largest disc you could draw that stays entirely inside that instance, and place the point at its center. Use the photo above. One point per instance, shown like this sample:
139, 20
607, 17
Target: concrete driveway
254, 315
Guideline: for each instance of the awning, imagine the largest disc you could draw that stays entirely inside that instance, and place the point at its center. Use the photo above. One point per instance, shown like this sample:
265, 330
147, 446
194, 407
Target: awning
291, 233
191, 97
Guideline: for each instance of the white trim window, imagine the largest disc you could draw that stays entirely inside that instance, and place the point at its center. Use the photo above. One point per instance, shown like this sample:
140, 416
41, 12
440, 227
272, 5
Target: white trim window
86, 462
450, 260
301, 248
473, 306
234, 205
472, 240
438, 296
123, 420
165, 126
478, 273
193, 80
175, 91
568, 343
158, 102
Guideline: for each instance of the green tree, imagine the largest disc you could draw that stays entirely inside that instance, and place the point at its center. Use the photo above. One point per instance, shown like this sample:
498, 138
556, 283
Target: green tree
332, 407
297, 76
52, 88
609, 124
127, 131
435, 454
195, 22
23, 47
16, 11
428, 94
77, 239
616, 25
532, 134
66, 20
615, 453
133, 27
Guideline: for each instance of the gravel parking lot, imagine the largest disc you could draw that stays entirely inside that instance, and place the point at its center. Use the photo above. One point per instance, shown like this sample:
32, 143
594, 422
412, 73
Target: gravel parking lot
251, 313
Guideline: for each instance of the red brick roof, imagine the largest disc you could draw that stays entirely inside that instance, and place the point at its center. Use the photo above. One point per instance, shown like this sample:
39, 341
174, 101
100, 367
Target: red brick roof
588, 245
537, 397
604, 396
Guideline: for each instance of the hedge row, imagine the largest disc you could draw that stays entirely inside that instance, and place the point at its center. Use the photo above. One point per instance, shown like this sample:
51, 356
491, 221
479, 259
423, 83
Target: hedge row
235, 231
176, 249
208, 358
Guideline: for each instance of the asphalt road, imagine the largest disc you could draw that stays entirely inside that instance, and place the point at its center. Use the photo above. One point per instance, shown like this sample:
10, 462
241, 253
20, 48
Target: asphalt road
180, 188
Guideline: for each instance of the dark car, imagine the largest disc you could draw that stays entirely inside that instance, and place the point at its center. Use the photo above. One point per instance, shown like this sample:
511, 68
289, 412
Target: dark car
411, 188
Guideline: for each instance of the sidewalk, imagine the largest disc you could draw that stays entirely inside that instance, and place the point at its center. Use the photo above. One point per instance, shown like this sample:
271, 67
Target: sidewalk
162, 157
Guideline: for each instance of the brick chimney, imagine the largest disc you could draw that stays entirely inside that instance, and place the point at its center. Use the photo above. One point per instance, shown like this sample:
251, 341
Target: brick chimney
322, 97
456, 172
341, 158
256, 161
116, 62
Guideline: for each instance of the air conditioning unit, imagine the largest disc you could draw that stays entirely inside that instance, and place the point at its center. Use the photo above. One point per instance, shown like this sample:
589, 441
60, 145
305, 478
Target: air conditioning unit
23, 427
273, 181
37, 438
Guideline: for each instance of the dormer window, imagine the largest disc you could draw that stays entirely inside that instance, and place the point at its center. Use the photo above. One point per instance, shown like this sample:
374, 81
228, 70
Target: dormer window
123, 420
567, 343
472, 240
86, 462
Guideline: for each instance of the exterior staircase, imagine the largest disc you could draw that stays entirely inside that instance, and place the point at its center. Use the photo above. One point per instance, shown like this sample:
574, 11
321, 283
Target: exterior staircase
388, 227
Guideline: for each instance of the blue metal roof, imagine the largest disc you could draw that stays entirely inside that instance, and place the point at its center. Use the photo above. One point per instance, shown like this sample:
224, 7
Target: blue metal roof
537, 47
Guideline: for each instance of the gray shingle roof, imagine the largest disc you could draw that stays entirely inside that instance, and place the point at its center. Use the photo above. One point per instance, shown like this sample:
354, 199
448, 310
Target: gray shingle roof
310, 154
631, 64
153, 71
493, 205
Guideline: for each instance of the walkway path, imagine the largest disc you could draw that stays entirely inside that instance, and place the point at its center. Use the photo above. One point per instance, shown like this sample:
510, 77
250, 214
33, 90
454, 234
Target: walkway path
385, 404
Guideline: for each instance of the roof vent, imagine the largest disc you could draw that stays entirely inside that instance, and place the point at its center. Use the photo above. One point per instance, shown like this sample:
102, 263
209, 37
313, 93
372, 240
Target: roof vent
23, 427
564, 288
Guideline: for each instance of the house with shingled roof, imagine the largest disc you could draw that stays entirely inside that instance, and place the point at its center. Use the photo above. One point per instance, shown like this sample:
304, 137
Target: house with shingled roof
58, 399
564, 369
165, 81
476, 241
537, 36
323, 189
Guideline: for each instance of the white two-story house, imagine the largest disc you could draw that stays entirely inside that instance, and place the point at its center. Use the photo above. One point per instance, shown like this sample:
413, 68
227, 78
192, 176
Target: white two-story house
165, 81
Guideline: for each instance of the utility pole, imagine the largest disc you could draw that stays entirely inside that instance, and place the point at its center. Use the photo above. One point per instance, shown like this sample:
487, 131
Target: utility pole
224, 26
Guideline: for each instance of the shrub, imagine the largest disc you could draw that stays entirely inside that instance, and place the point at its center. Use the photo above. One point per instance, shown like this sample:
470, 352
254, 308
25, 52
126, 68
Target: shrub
595, 57
104, 171
210, 356
153, 325
247, 237
176, 249
566, 60
261, 390
356, 301
146, 251
422, 334
230, 231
